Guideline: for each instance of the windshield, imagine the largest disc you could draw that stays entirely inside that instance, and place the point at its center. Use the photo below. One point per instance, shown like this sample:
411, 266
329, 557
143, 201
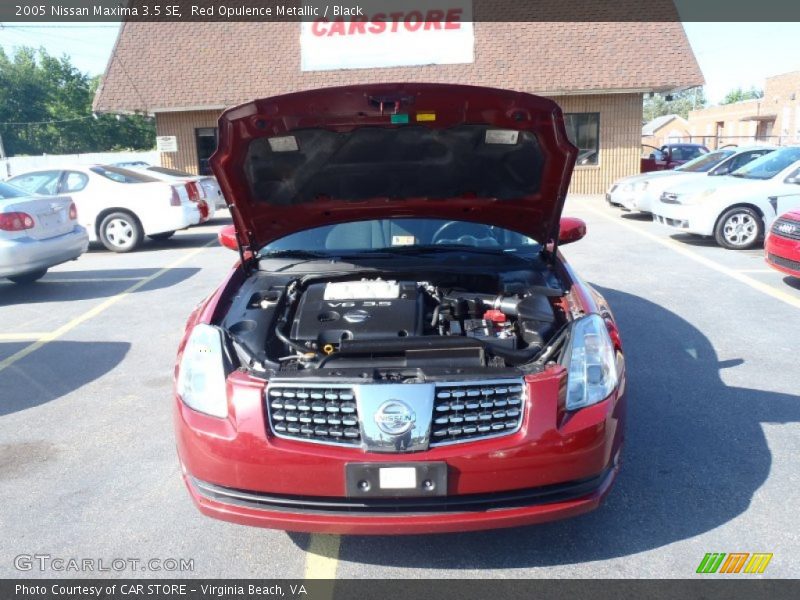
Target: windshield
400, 235
9, 191
705, 162
122, 175
770, 164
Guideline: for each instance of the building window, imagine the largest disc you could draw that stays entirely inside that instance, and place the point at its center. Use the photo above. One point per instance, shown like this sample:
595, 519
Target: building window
583, 130
206, 140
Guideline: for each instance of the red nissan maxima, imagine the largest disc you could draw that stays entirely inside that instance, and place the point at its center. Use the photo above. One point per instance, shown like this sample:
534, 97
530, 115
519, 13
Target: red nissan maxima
401, 347
782, 246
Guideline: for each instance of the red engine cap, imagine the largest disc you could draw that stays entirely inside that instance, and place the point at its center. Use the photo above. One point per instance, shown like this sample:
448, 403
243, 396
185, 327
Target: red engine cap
494, 315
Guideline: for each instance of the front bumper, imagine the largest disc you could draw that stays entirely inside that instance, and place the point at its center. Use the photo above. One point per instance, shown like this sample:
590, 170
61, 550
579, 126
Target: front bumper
617, 197
557, 465
783, 254
25, 254
687, 218
403, 516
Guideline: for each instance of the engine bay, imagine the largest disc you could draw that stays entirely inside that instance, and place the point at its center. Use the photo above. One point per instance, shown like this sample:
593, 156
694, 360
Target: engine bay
392, 320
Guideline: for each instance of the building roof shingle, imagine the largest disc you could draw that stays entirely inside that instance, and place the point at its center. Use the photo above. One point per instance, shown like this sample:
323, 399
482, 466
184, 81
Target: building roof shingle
169, 66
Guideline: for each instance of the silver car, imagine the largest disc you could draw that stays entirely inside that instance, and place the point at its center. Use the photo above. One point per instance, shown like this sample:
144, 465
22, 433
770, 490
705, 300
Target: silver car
36, 233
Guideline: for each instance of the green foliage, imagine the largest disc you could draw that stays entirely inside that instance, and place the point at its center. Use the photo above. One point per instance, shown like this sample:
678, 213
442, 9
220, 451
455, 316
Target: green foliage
46, 108
739, 94
681, 103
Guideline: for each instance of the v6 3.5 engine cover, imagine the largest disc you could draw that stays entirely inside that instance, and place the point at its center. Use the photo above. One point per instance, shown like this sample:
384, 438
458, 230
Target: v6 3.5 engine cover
329, 313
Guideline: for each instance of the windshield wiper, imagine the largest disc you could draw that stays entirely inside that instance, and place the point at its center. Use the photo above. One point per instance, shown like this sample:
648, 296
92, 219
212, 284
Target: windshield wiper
295, 254
434, 248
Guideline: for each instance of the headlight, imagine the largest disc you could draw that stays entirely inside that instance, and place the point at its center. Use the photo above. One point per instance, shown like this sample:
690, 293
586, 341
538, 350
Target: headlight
590, 361
695, 198
201, 379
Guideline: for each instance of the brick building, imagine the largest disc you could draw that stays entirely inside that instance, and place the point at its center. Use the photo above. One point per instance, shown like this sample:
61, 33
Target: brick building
187, 73
664, 129
773, 119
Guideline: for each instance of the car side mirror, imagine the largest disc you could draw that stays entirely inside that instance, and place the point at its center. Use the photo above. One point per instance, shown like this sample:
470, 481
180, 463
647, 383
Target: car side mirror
227, 237
794, 180
571, 230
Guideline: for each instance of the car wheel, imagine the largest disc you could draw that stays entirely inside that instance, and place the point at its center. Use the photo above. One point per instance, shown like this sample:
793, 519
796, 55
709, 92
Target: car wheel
28, 277
120, 232
739, 228
161, 236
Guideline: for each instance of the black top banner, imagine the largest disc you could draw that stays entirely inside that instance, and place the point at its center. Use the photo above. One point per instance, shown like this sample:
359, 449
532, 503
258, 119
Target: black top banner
411, 11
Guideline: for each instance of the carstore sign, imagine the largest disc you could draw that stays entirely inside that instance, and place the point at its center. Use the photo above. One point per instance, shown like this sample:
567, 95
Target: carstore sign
389, 37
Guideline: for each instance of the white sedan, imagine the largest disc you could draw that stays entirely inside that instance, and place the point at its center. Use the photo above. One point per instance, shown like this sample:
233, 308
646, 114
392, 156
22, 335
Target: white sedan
118, 206
37, 233
209, 186
642, 192
735, 209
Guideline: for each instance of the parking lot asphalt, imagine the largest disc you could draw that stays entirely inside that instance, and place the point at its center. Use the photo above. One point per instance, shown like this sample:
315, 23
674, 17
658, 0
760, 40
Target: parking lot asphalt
88, 467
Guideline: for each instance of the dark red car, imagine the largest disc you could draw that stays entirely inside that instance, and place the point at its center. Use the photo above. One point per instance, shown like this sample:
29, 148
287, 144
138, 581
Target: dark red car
401, 348
782, 246
669, 156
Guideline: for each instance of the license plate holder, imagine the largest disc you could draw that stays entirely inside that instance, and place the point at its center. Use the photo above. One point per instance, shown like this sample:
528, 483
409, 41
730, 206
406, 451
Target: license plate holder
381, 480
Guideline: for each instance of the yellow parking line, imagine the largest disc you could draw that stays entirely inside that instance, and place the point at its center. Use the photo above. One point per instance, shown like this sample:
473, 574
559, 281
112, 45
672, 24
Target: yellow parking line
93, 312
707, 262
23, 336
322, 557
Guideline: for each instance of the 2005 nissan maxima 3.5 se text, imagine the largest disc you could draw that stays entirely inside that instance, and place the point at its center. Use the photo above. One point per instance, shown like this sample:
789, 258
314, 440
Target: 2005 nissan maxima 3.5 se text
401, 347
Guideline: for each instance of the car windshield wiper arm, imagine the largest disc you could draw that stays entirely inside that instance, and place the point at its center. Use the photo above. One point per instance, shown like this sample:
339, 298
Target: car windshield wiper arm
295, 254
433, 248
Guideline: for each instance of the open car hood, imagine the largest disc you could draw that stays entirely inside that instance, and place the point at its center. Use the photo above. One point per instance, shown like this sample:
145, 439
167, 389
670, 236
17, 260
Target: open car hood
333, 155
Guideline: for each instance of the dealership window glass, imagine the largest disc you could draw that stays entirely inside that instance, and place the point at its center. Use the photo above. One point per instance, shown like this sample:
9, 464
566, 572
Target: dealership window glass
206, 141
583, 130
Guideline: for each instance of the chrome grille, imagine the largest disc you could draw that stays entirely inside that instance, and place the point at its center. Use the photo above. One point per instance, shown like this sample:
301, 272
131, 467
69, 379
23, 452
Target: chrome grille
314, 413
786, 229
472, 410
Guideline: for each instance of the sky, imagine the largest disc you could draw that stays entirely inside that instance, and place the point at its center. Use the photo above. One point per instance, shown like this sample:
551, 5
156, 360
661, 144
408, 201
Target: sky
730, 55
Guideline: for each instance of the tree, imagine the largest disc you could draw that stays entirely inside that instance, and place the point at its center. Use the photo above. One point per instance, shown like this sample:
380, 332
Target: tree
679, 103
46, 108
739, 95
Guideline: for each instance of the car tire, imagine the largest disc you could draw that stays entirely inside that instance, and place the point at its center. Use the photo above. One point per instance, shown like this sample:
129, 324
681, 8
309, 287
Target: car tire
739, 228
121, 232
161, 236
30, 277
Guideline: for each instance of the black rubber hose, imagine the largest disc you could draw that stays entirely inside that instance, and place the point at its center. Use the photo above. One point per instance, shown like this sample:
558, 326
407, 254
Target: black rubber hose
522, 355
282, 337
